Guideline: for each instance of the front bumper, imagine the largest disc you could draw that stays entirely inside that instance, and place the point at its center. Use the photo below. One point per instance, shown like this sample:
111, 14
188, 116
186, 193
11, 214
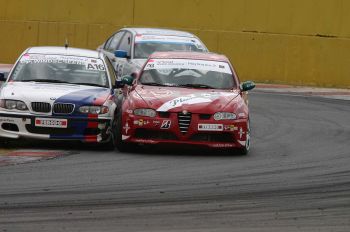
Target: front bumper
87, 129
166, 130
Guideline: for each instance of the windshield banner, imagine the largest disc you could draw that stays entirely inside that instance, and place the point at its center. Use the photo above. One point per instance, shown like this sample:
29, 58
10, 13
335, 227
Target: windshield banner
89, 63
206, 65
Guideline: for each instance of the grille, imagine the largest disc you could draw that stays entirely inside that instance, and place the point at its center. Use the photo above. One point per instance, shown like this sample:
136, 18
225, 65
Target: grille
42, 107
149, 134
163, 114
184, 121
10, 127
61, 108
204, 116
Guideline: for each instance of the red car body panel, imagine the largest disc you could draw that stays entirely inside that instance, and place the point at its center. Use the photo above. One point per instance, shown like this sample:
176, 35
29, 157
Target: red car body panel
173, 103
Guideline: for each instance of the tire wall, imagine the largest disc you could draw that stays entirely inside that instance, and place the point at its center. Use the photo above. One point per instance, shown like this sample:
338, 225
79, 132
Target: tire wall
304, 42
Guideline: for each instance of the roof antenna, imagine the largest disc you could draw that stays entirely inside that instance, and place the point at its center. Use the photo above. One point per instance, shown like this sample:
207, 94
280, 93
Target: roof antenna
66, 44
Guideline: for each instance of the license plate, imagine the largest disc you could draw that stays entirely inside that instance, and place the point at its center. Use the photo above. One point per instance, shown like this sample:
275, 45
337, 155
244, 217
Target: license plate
51, 122
210, 127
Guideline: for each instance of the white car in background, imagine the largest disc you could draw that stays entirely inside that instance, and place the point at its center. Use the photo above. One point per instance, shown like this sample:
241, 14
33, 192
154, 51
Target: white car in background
58, 93
129, 48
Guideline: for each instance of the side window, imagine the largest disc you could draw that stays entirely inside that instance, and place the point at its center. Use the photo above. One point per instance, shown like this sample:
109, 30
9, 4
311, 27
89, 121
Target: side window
112, 46
111, 71
107, 43
125, 44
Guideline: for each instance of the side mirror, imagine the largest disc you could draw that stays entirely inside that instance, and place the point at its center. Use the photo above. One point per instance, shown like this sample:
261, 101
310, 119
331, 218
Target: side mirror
121, 54
134, 75
118, 84
247, 85
127, 80
2, 77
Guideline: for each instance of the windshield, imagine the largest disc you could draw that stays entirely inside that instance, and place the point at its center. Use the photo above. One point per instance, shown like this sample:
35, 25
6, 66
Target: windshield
145, 45
143, 50
188, 73
61, 69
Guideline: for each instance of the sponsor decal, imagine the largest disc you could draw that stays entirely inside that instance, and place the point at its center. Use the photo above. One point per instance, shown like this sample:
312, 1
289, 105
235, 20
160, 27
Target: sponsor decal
167, 40
51, 122
126, 127
156, 122
210, 127
241, 133
191, 99
206, 65
230, 128
9, 120
165, 124
124, 137
141, 122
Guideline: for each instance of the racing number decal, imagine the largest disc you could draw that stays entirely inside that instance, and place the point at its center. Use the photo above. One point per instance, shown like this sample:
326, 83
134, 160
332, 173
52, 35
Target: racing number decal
165, 124
150, 66
95, 67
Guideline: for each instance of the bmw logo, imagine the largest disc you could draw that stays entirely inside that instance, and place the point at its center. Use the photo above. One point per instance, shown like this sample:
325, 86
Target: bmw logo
53, 98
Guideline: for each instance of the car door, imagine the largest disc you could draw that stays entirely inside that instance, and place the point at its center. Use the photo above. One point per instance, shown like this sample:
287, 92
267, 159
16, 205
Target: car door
111, 46
124, 65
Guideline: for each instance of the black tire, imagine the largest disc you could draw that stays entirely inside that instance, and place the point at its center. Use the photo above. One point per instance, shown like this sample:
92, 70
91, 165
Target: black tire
110, 144
120, 145
246, 148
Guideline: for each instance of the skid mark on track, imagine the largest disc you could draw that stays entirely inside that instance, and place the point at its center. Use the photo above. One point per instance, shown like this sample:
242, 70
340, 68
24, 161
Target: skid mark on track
8, 157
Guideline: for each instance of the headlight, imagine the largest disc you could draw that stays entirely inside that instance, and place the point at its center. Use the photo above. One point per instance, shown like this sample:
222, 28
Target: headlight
224, 116
93, 109
145, 112
21, 105
13, 105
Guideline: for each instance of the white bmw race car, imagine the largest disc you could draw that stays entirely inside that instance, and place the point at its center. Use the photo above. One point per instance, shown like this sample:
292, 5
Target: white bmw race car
59, 93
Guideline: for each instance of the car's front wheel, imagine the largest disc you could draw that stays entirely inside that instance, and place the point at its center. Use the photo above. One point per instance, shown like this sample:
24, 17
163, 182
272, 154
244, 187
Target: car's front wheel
110, 145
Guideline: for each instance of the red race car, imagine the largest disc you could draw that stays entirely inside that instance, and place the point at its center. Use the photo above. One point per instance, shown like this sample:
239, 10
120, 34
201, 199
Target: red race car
185, 98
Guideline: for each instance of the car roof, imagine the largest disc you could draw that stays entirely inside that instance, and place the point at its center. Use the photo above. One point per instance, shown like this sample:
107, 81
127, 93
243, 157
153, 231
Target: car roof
189, 55
64, 51
158, 31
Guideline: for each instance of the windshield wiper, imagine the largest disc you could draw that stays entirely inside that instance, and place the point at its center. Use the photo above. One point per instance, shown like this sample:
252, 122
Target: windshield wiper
92, 84
152, 83
45, 80
202, 86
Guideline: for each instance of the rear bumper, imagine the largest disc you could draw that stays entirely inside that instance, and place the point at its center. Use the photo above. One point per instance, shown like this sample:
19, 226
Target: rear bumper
78, 128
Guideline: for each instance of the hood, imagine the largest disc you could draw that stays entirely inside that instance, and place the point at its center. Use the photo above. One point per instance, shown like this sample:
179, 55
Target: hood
52, 93
174, 99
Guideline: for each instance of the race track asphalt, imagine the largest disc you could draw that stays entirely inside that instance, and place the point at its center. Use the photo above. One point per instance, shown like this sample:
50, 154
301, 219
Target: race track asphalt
296, 178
